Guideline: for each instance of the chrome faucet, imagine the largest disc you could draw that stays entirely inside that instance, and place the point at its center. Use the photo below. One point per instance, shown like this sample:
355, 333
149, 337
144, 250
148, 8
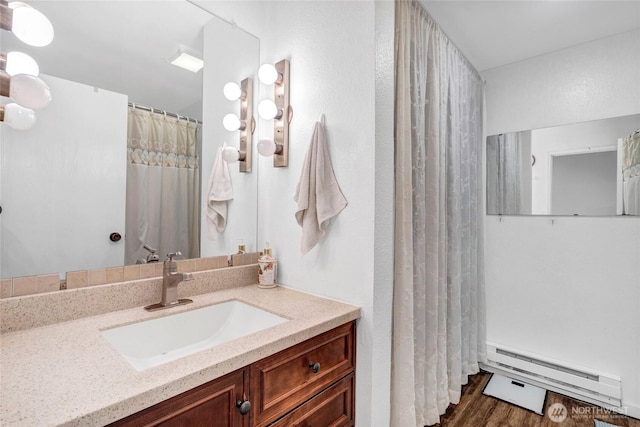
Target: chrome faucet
170, 280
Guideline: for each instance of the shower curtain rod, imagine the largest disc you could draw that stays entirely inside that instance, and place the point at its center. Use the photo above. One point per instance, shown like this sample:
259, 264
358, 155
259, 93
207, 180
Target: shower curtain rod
155, 110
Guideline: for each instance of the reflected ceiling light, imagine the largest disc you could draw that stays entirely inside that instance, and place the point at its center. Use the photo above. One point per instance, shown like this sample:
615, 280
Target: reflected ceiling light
279, 110
232, 91
245, 123
26, 90
18, 63
26, 23
16, 116
187, 61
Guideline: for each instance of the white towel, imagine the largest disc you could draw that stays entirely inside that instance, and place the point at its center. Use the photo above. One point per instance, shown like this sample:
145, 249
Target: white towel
318, 194
219, 192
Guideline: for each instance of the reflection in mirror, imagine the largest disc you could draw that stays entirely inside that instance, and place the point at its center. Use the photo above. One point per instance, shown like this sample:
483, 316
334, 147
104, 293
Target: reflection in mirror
589, 168
63, 182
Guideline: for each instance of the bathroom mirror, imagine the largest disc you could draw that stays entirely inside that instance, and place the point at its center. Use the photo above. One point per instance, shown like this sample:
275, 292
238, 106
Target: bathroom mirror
576, 169
119, 51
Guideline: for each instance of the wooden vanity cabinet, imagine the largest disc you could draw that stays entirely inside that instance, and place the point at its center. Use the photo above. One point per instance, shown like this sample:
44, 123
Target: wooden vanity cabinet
213, 404
309, 384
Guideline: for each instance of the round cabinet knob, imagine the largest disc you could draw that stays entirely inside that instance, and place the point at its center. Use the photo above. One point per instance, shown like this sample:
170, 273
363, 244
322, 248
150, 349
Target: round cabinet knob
115, 237
244, 406
315, 367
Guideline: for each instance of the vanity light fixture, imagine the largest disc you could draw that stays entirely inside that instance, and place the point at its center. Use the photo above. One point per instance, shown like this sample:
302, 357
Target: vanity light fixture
26, 23
18, 63
246, 124
27, 90
279, 110
186, 60
16, 116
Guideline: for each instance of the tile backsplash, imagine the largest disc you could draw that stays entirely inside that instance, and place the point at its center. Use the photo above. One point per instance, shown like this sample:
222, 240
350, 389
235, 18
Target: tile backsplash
29, 285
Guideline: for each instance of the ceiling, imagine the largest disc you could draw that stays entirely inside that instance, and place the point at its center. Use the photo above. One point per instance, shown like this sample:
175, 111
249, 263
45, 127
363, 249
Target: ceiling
495, 33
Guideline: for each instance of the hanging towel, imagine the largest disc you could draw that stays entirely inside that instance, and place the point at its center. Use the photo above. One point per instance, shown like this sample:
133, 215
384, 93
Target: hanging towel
318, 194
220, 190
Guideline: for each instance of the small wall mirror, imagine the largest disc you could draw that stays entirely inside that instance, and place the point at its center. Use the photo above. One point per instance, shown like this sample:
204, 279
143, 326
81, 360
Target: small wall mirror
577, 169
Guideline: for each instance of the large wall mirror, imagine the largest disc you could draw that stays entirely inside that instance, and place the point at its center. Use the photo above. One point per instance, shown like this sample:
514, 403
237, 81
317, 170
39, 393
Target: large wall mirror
64, 181
590, 169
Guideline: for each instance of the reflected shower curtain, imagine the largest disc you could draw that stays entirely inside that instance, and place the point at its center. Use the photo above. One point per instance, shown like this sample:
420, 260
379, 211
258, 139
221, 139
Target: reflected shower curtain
631, 173
438, 309
504, 174
162, 186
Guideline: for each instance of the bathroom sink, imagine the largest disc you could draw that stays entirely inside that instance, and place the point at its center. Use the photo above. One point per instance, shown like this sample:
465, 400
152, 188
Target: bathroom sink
157, 341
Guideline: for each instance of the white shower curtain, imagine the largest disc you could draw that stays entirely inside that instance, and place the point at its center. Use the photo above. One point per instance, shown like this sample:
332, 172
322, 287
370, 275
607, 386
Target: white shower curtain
438, 309
504, 174
162, 186
631, 173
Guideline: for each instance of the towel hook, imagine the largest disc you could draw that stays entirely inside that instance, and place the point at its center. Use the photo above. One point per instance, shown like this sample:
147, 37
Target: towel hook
322, 119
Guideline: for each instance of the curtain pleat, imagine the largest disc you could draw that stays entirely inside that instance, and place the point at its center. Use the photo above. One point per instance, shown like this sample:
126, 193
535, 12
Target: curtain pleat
162, 186
438, 318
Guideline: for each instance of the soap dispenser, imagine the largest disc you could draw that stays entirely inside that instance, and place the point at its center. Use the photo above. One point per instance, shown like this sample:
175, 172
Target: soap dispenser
267, 265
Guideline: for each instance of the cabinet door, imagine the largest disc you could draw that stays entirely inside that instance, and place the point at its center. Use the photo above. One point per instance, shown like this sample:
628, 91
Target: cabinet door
331, 408
287, 379
211, 405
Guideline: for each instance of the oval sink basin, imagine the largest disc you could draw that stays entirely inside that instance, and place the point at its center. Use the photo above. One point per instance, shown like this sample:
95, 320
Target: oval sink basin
154, 342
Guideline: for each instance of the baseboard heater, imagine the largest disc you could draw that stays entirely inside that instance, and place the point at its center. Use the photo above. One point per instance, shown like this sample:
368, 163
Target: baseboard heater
580, 383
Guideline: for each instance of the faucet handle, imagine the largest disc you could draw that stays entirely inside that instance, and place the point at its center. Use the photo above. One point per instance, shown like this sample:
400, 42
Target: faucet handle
171, 255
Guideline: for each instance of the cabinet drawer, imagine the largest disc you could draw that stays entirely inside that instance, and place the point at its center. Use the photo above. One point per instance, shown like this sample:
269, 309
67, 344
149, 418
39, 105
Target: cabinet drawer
287, 379
332, 408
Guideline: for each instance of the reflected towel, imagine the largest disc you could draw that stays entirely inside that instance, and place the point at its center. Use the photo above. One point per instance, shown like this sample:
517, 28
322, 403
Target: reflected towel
219, 191
318, 194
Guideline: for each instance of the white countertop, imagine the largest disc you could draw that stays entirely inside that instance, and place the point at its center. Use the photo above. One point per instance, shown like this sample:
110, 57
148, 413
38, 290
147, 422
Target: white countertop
68, 374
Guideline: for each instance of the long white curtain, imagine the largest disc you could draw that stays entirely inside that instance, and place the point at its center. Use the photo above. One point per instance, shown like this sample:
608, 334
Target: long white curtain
631, 173
162, 186
438, 309
504, 174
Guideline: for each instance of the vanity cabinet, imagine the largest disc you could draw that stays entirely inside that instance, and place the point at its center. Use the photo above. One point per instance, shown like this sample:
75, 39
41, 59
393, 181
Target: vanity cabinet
309, 384
213, 404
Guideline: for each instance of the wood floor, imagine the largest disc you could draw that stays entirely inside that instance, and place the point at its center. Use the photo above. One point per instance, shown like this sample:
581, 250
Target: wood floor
478, 410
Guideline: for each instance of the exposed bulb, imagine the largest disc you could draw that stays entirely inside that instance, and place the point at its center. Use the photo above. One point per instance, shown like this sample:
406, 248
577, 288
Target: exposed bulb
267, 109
232, 91
267, 74
21, 63
30, 25
266, 147
230, 155
231, 122
29, 91
18, 117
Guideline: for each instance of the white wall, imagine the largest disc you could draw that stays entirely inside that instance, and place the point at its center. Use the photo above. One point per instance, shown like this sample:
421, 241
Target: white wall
341, 56
78, 146
567, 288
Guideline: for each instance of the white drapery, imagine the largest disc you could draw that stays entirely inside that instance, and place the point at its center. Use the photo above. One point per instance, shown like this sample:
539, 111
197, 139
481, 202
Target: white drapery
504, 176
631, 173
438, 311
162, 185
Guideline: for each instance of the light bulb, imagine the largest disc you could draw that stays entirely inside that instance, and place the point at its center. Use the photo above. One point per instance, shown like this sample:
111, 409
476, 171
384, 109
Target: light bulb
30, 25
231, 122
18, 117
232, 91
29, 91
267, 74
266, 147
230, 155
267, 109
21, 63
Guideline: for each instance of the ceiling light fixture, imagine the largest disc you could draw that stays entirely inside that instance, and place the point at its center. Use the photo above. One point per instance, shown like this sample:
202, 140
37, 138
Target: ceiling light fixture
186, 60
18, 63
